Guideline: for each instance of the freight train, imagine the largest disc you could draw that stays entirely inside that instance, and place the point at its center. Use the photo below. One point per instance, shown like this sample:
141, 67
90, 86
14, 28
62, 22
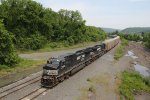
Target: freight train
58, 69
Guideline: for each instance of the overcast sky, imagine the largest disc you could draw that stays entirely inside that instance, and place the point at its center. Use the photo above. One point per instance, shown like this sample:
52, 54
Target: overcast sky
107, 13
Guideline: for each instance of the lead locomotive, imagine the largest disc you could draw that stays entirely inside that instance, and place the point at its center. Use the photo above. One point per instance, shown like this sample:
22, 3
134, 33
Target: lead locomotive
58, 69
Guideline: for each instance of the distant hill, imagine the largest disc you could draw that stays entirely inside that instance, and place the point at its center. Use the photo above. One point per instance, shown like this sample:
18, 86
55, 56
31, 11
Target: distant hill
136, 30
109, 30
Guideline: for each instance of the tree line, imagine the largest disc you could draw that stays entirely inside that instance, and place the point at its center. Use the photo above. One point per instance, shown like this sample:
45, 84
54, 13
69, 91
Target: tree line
144, 37
26, 24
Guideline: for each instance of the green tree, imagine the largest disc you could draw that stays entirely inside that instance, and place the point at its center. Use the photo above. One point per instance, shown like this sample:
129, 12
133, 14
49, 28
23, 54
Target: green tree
8, 55
95, 34
146, 39
30, 23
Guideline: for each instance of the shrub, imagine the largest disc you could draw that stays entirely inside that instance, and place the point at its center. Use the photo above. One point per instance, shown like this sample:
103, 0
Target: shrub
124, 42
148, 40
70, 41
119, 52
33, 42
8, 55
88, 79
92, 89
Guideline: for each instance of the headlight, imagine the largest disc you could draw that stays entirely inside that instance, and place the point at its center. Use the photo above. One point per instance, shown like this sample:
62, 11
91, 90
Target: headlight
50, 72
98, 49
46, 77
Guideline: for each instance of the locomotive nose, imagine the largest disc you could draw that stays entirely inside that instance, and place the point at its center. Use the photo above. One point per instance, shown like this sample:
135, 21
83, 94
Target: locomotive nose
46, 82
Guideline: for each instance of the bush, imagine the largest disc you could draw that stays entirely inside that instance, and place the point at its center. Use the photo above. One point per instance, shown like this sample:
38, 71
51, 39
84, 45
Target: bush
132, 37
70, 41
124, 42
147, 40
88, 79
33, 42
8, 55
92, 89
53, 45
119, 52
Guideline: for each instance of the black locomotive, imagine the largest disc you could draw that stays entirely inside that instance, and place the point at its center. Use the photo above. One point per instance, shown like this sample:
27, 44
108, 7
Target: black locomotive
58, 69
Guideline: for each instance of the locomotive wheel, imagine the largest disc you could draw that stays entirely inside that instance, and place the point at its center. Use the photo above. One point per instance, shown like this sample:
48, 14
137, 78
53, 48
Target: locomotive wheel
66, 76
61, 79
86, 64
56, 81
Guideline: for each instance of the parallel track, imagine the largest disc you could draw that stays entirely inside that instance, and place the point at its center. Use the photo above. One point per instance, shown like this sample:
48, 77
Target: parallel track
18, 87
140, 48
34, 94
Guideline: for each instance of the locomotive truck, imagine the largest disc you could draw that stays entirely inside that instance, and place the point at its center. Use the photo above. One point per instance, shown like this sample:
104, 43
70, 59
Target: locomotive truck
58, 69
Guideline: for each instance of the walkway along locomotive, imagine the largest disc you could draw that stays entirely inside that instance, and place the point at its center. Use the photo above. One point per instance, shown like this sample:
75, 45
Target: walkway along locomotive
58, 69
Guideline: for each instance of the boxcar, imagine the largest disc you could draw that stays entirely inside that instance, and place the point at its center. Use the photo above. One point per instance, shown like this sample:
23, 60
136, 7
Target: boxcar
110, 43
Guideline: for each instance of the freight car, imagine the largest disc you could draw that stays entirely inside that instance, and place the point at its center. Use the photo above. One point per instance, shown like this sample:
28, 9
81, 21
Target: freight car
58, 69
110, 43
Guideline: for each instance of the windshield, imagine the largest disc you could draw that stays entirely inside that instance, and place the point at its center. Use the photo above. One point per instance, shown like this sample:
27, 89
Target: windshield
54, 61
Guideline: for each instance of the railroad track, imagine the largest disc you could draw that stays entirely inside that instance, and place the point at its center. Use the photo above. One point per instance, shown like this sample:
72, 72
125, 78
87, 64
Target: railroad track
140, 48
34, 94
141, 52
18, 87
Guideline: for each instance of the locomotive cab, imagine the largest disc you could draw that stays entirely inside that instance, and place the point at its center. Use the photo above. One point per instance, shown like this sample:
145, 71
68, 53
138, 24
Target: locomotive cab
51, 70
52, 67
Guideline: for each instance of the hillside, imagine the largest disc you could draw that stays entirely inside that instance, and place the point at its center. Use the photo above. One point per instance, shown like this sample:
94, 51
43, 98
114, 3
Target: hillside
109, 30
136, 30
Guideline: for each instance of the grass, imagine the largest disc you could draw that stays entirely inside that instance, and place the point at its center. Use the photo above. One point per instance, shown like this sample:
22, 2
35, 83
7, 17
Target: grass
133, 83
124, 42
85, 91
57, 46
100, 79
24, 64
93, 83
89, 80
120, 50
92, 89
9, 75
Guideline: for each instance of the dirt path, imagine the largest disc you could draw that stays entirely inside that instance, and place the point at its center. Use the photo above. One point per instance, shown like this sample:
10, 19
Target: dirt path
46, 55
